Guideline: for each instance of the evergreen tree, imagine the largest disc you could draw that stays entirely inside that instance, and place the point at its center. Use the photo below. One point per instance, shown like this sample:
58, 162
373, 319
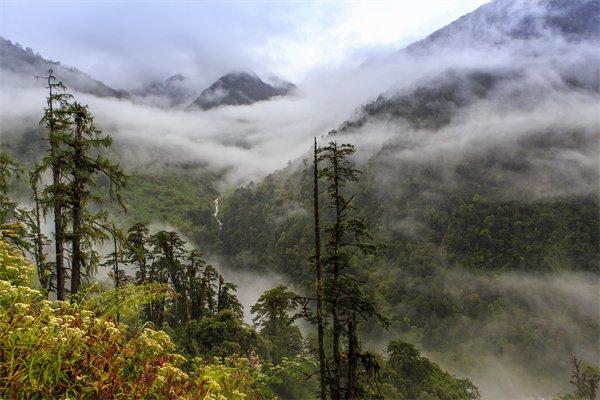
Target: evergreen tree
226, 300
115, 258
337, 172
274, 316
12, 217
57, 119
168, 253
44, 268
347, 301
136, 252
86, 165
194, 285
209, 285
319, 277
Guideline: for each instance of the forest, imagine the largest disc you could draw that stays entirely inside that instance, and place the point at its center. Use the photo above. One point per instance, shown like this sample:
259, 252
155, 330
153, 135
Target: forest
109, 306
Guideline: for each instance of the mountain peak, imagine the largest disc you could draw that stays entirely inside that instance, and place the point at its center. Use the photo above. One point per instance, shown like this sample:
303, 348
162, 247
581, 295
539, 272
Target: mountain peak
172, 92
175, 78
240, 88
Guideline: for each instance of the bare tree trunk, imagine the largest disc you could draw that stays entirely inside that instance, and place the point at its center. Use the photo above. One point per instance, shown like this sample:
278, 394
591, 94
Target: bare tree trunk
59, 248
337, 327
220, 294
77, 204
57, 206
353, 354
40, 258
319, 279
116, 268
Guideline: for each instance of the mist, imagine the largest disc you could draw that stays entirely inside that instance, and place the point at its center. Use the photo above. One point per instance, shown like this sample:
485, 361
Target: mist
252, 141
557, 302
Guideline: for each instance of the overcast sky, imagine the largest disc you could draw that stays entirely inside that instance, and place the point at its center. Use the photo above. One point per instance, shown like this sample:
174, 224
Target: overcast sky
125, 42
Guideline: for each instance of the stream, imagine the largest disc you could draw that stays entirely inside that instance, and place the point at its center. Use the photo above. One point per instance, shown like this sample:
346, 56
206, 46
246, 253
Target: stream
216, 214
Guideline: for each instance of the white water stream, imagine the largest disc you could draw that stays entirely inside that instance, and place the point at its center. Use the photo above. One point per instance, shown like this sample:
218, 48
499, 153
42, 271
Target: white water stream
216, 213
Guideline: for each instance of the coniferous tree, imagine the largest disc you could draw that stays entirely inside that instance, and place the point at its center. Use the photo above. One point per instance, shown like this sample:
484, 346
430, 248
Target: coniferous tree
210, 279
337, 172
195, 286
57, 119
44, 268
86, 165
226, 300
168, 251
115, 258
275, 312
137, 251
346, 299
319, 277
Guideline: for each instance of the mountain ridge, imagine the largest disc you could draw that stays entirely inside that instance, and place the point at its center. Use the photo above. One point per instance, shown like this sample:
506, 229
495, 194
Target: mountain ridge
23, 61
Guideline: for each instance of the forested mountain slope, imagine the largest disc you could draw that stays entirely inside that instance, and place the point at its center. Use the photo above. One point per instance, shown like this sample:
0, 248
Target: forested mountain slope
27, 64
485, 195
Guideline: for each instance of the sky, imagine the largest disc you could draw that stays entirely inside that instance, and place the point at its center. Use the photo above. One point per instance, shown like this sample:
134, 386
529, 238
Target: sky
120, 41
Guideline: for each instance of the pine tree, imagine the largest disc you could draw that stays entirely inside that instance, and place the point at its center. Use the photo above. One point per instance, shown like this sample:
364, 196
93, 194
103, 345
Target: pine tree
194, 285
57, 119
319, 277
137, 251
275, 312
86, 164
168, 251
348, 303
337, 173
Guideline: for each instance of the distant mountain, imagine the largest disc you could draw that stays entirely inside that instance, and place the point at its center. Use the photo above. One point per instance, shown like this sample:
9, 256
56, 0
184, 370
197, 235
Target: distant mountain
240, 88
535, 28
499, 21
171, 92
23, 61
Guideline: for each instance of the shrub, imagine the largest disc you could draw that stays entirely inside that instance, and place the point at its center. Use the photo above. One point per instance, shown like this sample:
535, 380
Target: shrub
61, 350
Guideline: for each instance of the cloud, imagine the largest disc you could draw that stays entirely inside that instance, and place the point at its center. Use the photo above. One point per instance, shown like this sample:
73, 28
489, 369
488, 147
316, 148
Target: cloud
252, 141
126, 43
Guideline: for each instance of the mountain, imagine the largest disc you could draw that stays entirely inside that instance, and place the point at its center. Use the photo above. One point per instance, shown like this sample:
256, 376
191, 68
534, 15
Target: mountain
500, 21
23, 61
540, 37
484, 192
240, 88
172, 92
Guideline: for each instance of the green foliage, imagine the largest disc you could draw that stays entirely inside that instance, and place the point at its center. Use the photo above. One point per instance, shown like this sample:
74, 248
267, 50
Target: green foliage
449, 248
275, 312
14, 267
585, 378
61, 350
182, 196
127, 300
294, 378
415, 377
8, 170
224, 334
